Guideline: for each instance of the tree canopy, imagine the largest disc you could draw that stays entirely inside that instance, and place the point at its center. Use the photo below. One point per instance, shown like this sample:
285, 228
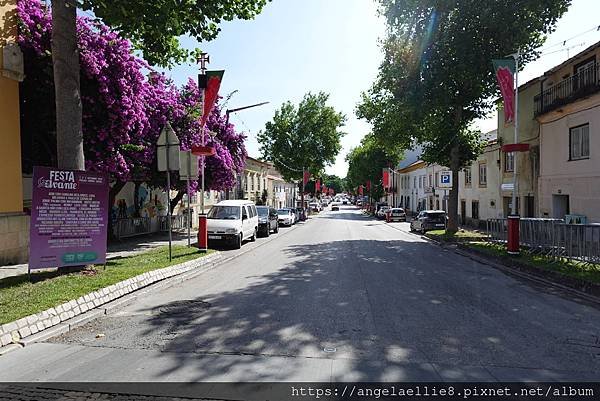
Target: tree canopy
304, 136
155, 27
123, 109
367, 161
436, 76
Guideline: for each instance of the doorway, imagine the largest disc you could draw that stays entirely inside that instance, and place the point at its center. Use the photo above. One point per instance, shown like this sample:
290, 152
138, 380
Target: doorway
463, 212
560, 206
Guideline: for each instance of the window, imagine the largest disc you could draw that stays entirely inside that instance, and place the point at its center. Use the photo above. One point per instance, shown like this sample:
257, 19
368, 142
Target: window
437, 179
430, 183
509, 161
415, 182
579, 142
475, 210
482, 175
468, 177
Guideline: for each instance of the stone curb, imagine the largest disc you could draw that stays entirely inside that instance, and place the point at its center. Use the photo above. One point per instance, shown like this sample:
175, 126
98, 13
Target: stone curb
62, 318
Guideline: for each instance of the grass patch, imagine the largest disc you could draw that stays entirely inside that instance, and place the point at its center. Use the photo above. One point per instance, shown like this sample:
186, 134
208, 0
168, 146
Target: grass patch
460, 235
572, 269
20, 298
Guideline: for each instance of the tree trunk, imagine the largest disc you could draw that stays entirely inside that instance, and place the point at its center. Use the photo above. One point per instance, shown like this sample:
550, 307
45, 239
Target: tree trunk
65, 61
176, 199
453, 197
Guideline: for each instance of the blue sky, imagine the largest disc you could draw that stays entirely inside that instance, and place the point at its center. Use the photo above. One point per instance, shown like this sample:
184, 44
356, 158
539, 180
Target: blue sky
297, 46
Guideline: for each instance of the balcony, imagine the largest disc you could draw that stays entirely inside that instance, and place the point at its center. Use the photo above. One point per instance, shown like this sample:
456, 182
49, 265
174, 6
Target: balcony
582, 84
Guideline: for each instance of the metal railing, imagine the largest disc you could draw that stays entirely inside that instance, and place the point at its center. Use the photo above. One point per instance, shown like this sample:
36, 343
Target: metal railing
178, 222
583, 83
553, 238
132, 226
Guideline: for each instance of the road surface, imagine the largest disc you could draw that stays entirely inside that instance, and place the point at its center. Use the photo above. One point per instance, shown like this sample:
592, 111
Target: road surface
340, 298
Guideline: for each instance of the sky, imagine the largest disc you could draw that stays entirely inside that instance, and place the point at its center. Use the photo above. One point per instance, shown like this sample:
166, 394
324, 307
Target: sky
299, 46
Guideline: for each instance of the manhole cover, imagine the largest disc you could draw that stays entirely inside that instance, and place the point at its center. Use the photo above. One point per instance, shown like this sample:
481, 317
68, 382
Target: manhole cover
329, 349
187, 307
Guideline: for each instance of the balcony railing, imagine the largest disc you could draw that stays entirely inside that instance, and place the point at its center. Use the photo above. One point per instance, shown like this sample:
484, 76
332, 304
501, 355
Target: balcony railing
568, 90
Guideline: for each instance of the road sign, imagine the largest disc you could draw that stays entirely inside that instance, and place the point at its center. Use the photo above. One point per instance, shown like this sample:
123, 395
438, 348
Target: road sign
445, 179
167, 143
188, 165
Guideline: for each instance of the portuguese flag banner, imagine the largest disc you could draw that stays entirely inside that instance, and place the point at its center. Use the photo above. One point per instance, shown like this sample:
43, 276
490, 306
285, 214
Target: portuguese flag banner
505, 70
213, 83
318, 186
306, 177
386, 178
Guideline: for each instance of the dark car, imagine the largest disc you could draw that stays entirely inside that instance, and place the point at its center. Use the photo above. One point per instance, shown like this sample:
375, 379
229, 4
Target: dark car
429, 220
268, 220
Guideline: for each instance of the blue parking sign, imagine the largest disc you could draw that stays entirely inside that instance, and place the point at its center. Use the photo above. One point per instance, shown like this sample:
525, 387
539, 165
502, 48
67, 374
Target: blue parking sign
445, 179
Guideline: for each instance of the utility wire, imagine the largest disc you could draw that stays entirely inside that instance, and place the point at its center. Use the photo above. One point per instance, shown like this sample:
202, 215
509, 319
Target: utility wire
564, 42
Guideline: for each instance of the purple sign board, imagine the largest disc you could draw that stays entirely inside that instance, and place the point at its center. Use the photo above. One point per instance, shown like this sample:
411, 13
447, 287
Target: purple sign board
69, 218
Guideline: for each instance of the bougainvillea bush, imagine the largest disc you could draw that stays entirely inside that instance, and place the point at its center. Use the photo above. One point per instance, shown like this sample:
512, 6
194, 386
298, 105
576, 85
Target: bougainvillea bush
124, 107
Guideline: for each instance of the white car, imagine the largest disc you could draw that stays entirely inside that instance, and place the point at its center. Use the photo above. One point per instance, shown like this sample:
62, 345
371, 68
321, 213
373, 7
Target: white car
232, 221
286, 217
382, 211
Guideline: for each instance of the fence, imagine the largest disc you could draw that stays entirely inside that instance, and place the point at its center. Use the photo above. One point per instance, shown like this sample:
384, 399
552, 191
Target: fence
553, 238
178, 222
130, 227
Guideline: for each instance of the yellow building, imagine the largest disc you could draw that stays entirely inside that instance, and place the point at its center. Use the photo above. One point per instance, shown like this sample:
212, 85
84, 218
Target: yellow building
14, 224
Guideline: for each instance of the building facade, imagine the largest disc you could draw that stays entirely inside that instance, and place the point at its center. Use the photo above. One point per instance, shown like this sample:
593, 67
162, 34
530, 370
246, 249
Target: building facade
567, 108
14, 223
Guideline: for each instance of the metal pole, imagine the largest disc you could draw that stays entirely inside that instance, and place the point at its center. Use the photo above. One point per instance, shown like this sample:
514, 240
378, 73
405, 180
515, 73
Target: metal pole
169, 199
514, 194
189, 212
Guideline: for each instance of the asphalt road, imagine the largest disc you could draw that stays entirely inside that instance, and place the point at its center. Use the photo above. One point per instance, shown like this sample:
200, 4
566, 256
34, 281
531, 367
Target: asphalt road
339, 298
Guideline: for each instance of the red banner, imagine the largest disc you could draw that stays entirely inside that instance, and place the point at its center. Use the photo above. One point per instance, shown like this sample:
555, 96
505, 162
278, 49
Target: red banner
369, 186
213, 83
318, 186
306, 177
386, 178
360, 190
505, 70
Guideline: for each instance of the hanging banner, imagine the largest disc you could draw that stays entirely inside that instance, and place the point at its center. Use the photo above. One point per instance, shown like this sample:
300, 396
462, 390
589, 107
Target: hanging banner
306, 177
505, 70
369, 186
318, 186
69, 218
213, 84
360, 190
386, 178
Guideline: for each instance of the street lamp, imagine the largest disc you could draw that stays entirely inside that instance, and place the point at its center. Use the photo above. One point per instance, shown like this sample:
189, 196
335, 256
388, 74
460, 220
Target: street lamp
228, 111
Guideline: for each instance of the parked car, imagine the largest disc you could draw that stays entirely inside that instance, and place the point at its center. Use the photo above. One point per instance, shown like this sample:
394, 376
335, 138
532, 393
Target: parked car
396, 214
335, 206
232, 221
381, 211
286, 217
429, 220
296, 212
268, 220
315, 206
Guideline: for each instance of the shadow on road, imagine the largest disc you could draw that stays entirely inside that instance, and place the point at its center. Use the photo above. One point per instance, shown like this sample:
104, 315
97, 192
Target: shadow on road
384, 310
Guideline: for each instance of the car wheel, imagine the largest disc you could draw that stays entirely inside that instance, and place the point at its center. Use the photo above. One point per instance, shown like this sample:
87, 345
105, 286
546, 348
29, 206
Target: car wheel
276, 228
253, 238
238, 244
268, 231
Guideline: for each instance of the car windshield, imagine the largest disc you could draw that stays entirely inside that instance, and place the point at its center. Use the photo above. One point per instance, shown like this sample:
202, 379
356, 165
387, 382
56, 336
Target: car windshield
225, 212
262, 211
435, 216
283, 211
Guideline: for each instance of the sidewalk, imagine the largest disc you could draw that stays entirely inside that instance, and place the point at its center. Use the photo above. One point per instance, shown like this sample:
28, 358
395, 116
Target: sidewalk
127, 247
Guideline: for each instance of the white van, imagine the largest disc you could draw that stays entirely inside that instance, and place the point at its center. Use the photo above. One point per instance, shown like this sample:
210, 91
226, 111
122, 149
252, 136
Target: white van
232, 221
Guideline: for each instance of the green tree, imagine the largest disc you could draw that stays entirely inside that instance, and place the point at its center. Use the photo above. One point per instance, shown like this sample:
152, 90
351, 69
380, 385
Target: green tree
334, 182
436, 77
154, 27
304, 137
366, 163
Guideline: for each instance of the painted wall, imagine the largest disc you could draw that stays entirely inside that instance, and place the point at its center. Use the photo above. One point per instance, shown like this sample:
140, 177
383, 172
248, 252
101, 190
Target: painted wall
579, 179
11, 200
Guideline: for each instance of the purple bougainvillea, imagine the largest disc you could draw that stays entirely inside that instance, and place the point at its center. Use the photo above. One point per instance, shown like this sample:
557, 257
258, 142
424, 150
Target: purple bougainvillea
124, 110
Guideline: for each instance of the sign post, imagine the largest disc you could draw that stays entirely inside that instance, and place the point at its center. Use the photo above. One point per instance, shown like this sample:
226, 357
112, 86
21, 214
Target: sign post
188, 170
69, 218
168, 160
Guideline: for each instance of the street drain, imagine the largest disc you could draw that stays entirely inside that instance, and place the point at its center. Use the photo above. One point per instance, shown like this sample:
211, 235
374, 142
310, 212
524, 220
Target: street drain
187, 307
